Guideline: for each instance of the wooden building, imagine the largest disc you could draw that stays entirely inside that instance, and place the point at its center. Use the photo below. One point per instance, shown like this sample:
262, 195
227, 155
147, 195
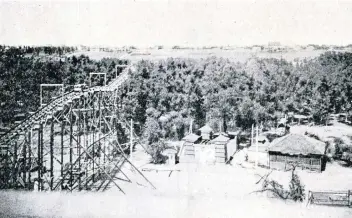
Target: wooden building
297, 150
187, 151
220, 146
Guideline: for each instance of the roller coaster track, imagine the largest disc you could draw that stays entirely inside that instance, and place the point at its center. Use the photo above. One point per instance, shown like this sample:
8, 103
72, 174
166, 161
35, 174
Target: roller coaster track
70, 143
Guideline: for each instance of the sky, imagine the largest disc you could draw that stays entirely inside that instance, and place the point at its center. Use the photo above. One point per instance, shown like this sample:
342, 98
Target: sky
175, 22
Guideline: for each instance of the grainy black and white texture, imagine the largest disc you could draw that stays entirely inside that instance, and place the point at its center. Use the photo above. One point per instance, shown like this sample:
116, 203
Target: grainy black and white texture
152, 108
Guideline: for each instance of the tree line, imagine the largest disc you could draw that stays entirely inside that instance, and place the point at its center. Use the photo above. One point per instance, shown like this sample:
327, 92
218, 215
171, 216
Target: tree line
164, 96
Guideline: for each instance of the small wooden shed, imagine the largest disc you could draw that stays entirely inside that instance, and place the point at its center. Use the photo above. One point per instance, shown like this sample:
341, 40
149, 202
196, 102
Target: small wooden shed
187, 151
220, 146
298, 150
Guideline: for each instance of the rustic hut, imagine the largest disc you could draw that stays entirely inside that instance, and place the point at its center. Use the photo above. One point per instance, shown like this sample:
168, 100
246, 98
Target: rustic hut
220, 145
300, 119
206, 132
296, 150
187, 152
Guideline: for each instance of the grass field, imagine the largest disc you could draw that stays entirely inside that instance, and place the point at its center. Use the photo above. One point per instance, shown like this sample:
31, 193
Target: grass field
238, 55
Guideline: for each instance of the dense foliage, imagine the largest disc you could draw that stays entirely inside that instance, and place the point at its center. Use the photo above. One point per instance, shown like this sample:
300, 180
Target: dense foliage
163, 96
228, 94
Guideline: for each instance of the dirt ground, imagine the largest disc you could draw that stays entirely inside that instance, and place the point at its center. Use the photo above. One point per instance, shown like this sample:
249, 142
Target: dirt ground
191, 190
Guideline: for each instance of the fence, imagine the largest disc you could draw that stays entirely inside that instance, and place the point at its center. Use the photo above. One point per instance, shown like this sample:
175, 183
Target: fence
332, 198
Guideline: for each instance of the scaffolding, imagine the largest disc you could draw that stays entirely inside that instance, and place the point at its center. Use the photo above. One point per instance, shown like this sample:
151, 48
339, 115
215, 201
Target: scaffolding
69, 144
49, 85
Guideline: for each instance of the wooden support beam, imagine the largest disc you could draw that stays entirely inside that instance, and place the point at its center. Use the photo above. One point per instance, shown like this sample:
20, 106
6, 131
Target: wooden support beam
103, 171
38, 159
79, 149
71, 151
24, 161
30, 158
41, 156
51, 154
62, 154
123, 154
14, 165
93, 147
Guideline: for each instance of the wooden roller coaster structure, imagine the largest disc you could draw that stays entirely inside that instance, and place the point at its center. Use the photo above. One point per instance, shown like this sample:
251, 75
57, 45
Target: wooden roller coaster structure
70, 143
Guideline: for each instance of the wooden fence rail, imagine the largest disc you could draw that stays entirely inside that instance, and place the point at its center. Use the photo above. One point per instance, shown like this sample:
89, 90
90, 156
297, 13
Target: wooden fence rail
332, 198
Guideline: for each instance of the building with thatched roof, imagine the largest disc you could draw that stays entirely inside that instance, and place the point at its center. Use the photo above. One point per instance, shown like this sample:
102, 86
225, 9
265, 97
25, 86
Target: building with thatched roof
296, 150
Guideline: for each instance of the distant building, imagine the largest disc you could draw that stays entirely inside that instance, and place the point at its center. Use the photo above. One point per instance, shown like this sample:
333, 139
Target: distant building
220, 146
197, 149
297, 150
274, 44
206, 132
256, 48
187, 151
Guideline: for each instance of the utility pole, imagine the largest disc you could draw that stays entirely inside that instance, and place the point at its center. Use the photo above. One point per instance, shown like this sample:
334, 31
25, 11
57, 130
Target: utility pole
256, 147
252, 133
131, 138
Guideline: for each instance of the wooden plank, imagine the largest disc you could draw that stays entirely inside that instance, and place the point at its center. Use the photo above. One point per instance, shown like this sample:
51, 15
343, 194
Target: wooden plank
330, 198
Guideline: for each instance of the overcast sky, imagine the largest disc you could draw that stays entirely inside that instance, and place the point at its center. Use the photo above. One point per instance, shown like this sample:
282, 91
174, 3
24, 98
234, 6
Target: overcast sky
192, 23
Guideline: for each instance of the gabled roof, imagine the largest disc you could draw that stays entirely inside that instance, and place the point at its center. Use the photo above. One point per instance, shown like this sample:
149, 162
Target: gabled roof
294, 144
191, 138
220, 138
206, 129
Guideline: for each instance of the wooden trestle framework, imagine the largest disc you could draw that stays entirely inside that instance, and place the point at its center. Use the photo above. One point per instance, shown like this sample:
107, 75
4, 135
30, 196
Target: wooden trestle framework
70, 144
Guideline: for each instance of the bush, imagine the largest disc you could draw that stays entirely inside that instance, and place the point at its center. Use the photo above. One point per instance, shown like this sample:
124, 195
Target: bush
296, 189
156, 151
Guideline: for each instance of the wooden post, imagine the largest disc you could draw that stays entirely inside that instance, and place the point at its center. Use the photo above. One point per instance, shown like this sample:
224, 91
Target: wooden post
14, 165
131, 139
62, 154
41, 156
39, 163
52, 154
256, 147
99, 131
86, 147
71, 139
24, 162
252, 133
30, 159
93, 144
79, 150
